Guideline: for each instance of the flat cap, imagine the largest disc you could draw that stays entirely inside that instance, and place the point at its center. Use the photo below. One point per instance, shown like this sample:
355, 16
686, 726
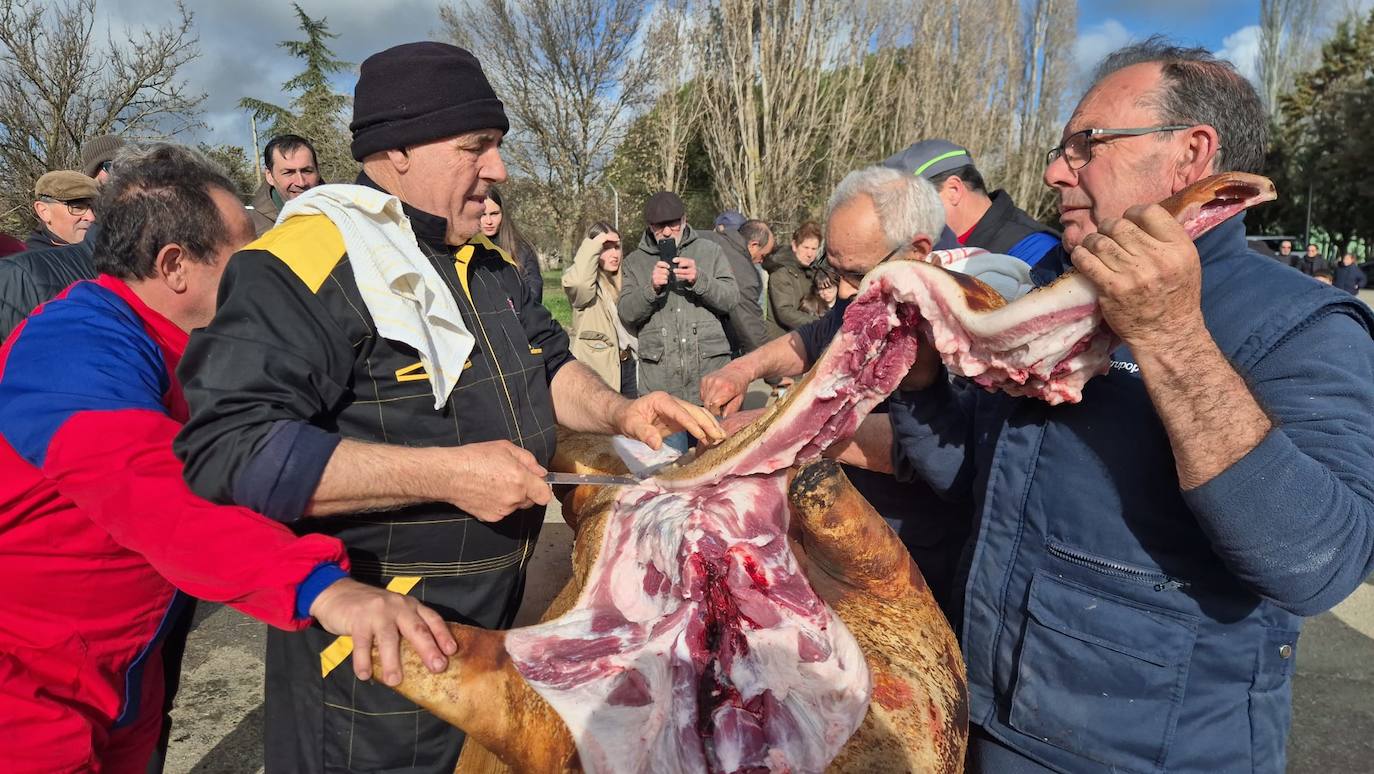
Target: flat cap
65, 185
663, 207
930, 158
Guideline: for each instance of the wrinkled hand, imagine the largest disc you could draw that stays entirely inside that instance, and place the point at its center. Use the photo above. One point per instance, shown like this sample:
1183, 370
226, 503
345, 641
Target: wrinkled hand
660, 275
657, 414
722, 390
373, 616
491, 480
1148, 274
686, 270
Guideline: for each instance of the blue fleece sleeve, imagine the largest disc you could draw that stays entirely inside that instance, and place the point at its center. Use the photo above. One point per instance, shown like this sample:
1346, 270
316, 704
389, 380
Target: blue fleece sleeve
1294, 518
1034, 247
279, 480
319, 579
932, 437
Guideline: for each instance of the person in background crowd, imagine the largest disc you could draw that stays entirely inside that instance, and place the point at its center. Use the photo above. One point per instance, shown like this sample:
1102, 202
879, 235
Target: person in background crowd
1144, 558
1348, 275
874, 215
420, 448
1285, 254
63, 208
745, 247
675, 307
977, 218
789, 277
499, 227
592, 284
1312, 262
97, 155
1325, 277
290, 168
824, 292
99, 529
728, 221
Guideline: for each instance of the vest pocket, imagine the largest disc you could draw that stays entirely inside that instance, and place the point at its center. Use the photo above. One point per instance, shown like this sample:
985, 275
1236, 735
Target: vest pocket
1101, 676
1271, 702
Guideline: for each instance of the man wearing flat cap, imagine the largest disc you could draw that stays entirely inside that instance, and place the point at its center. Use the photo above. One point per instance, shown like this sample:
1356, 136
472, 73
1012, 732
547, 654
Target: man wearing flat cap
62, 204
677, 289
97, 156
377, 372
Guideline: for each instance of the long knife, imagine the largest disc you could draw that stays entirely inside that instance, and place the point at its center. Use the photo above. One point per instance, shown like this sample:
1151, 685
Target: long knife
580, 479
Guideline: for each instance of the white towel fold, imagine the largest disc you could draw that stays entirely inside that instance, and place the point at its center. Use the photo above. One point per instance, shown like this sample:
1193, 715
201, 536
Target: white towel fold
407, 298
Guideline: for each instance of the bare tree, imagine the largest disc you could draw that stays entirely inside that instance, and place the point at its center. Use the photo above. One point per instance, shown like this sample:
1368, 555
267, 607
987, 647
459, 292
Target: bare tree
60, 85
1288, 43
570, 73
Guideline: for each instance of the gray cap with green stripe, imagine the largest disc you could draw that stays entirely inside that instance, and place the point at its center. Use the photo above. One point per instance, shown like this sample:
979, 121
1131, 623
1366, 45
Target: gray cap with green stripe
930, 158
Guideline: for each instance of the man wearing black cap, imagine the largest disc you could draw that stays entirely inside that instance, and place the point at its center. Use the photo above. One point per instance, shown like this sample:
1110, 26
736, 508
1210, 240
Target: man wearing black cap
975, 217
676, 290
428, 465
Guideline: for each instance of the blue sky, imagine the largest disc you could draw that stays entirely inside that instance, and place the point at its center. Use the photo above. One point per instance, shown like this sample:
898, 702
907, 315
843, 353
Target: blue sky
239, 55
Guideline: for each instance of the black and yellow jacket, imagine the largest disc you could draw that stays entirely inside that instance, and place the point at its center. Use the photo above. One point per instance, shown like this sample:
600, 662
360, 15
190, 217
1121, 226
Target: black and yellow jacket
293, 362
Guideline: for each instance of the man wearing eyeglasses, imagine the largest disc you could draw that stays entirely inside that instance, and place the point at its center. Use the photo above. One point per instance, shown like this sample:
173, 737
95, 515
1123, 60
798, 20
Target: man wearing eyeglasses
63, 208
1143, 560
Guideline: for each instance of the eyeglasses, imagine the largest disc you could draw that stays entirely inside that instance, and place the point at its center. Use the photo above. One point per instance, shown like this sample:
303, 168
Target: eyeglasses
105, 166
1077, 148
855, 277
76, 207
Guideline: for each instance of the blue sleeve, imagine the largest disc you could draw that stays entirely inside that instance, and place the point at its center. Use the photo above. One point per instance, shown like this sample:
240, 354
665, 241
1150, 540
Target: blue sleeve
319, 579
70, 359
932, 437
817, 334
279, 480
1294, 518
1034, 247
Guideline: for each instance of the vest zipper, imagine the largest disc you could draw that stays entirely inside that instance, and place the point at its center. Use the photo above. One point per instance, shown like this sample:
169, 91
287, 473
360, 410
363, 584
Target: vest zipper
1160, 581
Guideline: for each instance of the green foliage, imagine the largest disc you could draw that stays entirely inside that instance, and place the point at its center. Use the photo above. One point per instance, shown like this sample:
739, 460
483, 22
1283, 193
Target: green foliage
316, 112
1323, 143
236, 165
555, 300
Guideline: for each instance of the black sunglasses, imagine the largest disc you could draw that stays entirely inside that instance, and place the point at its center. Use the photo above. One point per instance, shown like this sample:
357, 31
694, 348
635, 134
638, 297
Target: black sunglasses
855, 277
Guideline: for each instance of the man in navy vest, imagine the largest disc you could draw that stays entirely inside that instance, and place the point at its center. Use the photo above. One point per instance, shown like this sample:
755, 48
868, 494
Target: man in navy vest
1144, 559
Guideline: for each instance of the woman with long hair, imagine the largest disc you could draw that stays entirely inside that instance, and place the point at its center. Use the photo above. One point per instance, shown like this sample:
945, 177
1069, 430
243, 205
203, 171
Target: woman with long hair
825, 288
592, 283
498, 226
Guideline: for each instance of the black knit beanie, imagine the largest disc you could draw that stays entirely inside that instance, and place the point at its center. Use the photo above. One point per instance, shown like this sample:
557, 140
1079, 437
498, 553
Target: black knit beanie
420, 92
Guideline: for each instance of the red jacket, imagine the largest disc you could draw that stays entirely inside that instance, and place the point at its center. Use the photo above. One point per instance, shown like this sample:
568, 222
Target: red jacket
97, 526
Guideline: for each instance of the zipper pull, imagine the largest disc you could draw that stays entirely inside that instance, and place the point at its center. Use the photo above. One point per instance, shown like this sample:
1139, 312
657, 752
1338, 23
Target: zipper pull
1170, 585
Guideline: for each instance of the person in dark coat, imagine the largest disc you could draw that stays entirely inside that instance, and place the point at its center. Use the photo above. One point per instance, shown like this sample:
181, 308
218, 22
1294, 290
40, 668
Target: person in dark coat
63, 206
974, 217
303, 410
745, 247
499, 227
1348, 275
1312, 262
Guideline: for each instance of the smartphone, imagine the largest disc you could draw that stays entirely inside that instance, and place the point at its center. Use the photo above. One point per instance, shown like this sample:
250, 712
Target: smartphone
667, 251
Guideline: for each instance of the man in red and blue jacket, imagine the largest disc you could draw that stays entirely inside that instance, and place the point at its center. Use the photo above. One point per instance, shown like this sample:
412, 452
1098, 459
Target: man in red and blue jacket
100, 538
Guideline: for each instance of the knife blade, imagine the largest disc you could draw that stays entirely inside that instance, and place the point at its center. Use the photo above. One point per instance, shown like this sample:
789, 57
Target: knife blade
580, 479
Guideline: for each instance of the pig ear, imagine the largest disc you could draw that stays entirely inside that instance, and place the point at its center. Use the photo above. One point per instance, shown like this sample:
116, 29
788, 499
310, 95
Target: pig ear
843, 533
482, 693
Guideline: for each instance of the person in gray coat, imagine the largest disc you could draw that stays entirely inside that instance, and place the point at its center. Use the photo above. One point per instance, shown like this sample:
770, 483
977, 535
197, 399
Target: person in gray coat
676, 290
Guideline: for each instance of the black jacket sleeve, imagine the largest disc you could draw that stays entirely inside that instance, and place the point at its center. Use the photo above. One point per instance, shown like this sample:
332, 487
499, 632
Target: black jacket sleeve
543, 332
529, 273
272, 358
18, 296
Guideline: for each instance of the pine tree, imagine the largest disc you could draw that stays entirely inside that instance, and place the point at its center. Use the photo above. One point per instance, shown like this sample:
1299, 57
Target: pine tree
317, 112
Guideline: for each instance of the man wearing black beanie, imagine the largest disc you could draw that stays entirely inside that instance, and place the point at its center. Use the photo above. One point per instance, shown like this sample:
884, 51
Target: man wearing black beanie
302, 410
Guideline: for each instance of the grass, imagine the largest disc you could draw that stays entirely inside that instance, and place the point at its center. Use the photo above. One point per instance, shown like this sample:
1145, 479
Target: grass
555, 300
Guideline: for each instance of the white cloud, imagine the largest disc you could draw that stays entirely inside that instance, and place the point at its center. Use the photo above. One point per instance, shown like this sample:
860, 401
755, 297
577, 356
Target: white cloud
1094, 43
1241, 48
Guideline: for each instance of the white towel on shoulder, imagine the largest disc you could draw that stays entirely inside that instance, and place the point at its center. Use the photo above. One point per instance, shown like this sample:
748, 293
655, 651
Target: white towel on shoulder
407, 298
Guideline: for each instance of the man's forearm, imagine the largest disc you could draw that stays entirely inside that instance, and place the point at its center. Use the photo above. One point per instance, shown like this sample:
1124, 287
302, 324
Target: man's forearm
783, 356
1207, 409
582, 401
869, 448
375, 477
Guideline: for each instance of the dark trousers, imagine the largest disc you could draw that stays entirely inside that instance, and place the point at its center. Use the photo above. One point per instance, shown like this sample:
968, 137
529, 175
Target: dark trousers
173, 649
628, 376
